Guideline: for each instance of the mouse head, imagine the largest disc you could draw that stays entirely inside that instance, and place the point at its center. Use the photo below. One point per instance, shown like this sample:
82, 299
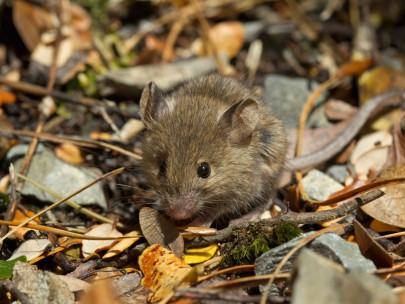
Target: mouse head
196, 151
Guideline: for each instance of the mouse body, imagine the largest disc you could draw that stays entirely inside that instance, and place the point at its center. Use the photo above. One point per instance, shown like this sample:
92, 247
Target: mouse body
211, 149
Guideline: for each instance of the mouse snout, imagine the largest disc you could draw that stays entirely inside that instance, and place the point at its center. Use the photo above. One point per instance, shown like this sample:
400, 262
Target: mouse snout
181, 208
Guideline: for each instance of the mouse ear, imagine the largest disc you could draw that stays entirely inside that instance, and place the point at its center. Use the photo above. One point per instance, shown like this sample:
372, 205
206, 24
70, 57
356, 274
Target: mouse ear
241, 119
152, 104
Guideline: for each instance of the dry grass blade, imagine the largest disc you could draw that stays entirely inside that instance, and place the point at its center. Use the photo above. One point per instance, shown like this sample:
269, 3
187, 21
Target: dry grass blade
62, 232
66, 139
72, 204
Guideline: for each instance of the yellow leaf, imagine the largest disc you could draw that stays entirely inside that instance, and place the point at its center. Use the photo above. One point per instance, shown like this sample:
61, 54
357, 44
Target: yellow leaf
200, 254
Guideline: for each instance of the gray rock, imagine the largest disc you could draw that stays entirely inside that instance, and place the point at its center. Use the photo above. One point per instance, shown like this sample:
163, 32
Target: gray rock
318, 280
339, 172
328, 245
286, 96
57, 176
40, 287
319, 186
340, 251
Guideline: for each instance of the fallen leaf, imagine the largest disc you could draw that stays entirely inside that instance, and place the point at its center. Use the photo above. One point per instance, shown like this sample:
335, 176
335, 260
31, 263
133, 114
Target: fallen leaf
390, 208
30, 20
379, 80
228, 37
20, 217
370, 153
378, 226
163, 271
6, 97
103, 230
31, 249
6, 267
197, 255
397, 151
336, 109
74, 284
370, 248
123, 244
159, 230
70, 153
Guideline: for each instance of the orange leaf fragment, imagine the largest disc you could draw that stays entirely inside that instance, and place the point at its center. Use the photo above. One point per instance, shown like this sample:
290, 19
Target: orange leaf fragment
6, 97
70, 153
163, 271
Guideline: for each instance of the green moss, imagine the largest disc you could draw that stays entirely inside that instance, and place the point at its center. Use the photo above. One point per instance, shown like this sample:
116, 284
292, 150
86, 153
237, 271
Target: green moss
283, 233
249, 244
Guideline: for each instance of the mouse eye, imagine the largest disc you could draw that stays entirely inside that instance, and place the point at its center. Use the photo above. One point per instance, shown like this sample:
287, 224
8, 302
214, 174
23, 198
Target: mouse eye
162, 169
204, 170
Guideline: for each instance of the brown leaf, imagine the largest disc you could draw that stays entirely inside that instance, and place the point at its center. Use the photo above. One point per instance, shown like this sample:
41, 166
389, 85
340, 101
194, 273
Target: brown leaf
336, 109
370, 248
6, 97
397, 151
159, 230
103, 230
389, 209
228, 37
31, 21
380, 80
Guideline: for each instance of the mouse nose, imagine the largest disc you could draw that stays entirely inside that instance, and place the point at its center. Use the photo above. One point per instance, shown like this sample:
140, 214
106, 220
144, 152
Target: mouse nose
181, 208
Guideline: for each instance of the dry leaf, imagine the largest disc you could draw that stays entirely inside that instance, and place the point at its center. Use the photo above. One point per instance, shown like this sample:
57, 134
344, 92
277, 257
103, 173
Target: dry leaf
228, 37
197, 255
336, 109
370, 153
370, 248
74, 284
103, 230
31, 21
70, 153
159, 230
397, 151
6, 97
390, 208
20, 217
379, 80
163, 271
123, 244
31, 249
43, 52
131, 128
379, 227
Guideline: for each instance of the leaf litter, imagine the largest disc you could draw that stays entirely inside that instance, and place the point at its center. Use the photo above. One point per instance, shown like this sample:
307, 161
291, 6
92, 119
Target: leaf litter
71, 79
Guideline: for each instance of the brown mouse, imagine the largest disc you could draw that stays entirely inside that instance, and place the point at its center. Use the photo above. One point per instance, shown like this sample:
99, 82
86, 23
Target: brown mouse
211, 149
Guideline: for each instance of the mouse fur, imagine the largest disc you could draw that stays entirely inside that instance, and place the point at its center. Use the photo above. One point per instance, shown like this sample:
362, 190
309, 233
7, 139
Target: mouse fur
212, 120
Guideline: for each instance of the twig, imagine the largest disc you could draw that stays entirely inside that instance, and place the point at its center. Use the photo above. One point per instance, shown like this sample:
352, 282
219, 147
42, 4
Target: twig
88, 143
292, 218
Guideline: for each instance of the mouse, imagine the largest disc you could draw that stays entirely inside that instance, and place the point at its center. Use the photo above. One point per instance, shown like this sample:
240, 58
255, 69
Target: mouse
211, 149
